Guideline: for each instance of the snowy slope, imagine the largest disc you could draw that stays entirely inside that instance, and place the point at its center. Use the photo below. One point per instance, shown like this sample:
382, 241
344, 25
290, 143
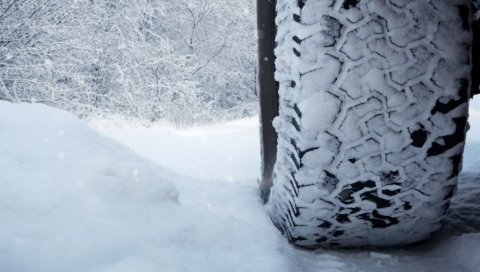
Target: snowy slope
74, 200
472, 149
228, 151
217, 146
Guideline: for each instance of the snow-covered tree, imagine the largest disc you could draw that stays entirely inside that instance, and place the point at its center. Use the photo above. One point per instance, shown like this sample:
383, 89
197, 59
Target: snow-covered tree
181, 60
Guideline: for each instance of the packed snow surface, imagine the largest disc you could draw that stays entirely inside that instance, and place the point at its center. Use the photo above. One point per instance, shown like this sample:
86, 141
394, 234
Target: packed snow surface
72, 199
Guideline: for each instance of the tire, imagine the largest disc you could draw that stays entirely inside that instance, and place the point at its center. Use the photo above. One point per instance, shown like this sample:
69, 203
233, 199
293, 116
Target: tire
373, 105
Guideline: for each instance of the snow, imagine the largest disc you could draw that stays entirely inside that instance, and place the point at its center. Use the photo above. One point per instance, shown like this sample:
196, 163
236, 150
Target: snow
309, 106
202, 152
72, 199
474, 120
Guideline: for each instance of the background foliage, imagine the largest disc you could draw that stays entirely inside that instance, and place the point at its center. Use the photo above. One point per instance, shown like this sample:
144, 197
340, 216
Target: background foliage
184, 61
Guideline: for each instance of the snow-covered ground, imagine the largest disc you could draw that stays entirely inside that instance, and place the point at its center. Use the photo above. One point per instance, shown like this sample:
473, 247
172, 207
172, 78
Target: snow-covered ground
72, 199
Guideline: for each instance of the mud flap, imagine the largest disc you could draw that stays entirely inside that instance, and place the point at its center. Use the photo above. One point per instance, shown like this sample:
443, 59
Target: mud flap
476, 56
268, 91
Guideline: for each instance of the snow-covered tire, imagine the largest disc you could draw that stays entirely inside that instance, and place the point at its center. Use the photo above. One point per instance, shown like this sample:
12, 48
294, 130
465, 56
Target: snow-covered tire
372, 118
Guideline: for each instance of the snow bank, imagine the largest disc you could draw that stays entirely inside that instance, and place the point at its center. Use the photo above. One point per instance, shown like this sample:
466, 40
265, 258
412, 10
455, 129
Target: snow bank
471, 160
211, 146
72, 200
473, 135
228, 151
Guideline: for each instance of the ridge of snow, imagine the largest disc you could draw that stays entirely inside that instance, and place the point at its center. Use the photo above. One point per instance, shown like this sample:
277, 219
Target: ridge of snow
74, 200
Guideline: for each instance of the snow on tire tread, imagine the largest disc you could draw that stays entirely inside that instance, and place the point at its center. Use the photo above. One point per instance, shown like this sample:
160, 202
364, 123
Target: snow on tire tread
372, 119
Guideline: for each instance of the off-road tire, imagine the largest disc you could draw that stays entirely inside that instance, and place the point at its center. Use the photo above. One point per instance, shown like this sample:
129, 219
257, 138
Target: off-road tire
373, 105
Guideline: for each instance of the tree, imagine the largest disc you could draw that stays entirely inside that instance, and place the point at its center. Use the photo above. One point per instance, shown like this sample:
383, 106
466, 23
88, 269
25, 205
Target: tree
183, 61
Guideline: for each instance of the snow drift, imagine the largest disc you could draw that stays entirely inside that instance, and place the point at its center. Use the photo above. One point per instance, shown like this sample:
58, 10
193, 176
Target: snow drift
74, 200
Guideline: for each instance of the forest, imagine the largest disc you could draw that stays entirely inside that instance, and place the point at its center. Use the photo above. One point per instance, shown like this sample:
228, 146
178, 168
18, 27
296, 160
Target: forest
181, 61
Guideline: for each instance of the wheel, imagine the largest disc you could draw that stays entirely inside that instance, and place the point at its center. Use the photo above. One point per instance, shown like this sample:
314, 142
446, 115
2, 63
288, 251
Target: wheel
373, 105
